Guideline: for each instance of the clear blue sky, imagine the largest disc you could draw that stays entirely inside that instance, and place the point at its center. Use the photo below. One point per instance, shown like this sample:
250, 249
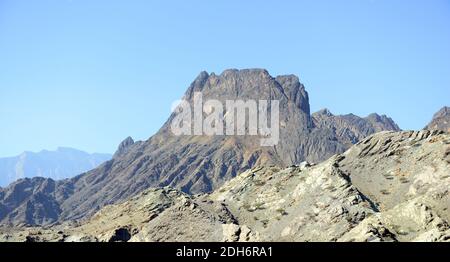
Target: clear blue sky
86, 74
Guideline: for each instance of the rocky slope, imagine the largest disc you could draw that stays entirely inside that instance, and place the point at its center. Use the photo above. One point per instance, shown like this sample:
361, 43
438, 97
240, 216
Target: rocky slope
196, 164
392, 186
441, 120
349, 129
60, 164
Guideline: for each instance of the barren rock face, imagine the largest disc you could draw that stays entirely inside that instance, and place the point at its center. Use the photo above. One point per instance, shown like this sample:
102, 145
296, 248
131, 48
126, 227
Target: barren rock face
441, 120
392, 186
350, 128
194, 164
406, 175
295, 204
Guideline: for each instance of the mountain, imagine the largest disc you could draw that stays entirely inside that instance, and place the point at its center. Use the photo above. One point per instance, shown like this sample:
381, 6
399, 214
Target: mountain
349, 129
195, 163
441, 120
391, 186
59, 164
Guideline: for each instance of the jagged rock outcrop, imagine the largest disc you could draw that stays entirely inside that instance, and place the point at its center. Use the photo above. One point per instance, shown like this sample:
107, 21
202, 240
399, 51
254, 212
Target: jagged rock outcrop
349, 129
198, 164
33, 201
392, 186
441, 120
124, 147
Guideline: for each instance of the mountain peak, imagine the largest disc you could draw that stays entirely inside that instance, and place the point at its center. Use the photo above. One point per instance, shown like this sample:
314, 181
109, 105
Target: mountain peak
382, 122
445, 111
441, 120
245, 72
201, 77
324, 112
124, 146
245, 84
288, 78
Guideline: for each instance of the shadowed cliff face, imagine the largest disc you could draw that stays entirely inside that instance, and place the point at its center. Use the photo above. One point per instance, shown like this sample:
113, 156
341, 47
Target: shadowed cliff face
197, 164
441, 120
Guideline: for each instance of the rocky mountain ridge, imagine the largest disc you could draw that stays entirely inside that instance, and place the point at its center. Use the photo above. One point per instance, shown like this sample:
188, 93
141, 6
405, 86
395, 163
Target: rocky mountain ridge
351, 128
373, 192
441, 120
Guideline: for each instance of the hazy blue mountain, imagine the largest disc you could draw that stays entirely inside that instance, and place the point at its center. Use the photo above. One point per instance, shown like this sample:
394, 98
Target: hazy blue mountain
62, 163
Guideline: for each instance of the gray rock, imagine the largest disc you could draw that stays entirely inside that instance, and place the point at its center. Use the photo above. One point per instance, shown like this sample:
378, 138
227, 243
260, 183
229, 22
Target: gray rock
124, 147
441, 120
392, 186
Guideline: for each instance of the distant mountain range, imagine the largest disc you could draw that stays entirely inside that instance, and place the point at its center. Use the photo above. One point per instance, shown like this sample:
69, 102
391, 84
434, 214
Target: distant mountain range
62, 163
